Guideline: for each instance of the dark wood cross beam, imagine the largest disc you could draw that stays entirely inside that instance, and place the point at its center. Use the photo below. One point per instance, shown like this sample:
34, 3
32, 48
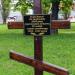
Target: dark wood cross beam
42, 66
55, 24
15, 25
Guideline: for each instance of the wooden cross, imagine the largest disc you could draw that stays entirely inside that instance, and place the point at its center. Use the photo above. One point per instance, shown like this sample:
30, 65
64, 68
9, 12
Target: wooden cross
37, 62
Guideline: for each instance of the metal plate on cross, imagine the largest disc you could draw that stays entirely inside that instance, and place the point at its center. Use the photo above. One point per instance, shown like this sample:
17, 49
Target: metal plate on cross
37, 24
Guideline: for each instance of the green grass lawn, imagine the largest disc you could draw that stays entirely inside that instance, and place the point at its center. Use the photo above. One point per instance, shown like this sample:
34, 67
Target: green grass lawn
57, 49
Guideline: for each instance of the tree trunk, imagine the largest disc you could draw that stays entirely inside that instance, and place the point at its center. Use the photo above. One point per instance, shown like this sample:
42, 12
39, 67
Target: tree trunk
5, 9
66, 15
4, 17
4, 20
55, 9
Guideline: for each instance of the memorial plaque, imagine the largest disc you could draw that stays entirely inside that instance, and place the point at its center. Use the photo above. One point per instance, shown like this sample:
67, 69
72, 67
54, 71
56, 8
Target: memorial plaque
37, 24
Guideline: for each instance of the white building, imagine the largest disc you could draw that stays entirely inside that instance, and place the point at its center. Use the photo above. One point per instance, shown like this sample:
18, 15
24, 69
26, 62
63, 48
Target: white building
14, 15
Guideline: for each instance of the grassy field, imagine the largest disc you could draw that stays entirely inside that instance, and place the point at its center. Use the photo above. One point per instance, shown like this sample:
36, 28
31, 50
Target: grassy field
58, 49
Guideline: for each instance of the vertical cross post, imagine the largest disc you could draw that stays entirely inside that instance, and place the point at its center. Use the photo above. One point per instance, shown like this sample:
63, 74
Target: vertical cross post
37, 7
38, 54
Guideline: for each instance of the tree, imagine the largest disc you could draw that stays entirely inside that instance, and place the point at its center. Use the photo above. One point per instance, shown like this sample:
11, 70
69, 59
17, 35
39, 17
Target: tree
46, 6
5, 9
55, 9
65, 6
23, 6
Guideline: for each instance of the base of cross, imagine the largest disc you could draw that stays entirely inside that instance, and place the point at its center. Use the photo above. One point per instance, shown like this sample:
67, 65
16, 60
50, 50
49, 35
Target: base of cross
42, 66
